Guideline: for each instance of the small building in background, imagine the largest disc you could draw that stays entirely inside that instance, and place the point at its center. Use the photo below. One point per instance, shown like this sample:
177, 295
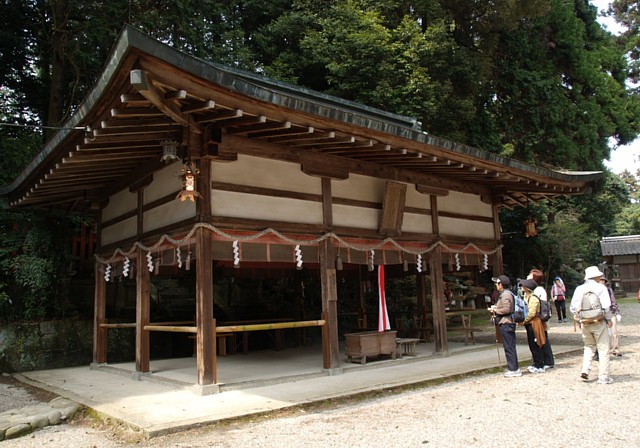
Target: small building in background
622, 262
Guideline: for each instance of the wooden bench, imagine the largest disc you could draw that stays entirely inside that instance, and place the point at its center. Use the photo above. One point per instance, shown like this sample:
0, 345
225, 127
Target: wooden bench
408, 346
467, 329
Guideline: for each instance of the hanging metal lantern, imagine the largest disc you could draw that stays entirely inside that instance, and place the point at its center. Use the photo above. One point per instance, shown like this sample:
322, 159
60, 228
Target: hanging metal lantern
169, 151
188, 175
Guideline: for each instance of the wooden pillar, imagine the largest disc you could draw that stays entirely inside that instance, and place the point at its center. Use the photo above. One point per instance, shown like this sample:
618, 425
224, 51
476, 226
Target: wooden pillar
437, 287
497, 261
330, 347
143, 312
437, 294
205, 336
99, 316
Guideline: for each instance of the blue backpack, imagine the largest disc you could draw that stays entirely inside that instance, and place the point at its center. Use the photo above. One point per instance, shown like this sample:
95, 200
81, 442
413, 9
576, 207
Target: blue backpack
520, 308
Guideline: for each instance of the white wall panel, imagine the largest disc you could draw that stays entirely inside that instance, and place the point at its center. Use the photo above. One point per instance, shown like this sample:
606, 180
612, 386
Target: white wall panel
119, 231
358, 217
416, 199
119, 204
362, 188
265, 173
468, 204
464, 228
415, 223
240, 205
164, 182
168, 213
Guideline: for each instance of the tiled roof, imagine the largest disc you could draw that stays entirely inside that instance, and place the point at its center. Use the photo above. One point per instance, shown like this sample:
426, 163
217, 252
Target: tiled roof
620, 245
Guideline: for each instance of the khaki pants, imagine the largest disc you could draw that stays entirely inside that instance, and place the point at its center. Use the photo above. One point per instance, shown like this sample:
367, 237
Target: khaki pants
596, 338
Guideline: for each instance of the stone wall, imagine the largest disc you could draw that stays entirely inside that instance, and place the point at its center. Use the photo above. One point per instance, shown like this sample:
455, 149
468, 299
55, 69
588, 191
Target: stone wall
54, 344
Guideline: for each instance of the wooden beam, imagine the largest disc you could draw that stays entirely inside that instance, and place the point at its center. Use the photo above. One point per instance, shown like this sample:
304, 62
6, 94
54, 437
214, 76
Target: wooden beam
392, 209
425, 189
314, 166
141, 82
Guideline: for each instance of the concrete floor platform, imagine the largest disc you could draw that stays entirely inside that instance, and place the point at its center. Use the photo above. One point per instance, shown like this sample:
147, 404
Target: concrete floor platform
167, 399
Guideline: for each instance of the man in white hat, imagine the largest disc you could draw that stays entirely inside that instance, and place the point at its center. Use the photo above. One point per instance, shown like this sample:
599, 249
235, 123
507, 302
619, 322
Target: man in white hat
594, 334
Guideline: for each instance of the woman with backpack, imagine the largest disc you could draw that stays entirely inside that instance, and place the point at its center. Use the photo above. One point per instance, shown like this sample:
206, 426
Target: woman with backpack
558, 293
534, 325
547, 353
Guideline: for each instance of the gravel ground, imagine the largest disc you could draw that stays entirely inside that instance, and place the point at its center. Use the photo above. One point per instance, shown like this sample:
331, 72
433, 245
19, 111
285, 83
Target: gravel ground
554, 409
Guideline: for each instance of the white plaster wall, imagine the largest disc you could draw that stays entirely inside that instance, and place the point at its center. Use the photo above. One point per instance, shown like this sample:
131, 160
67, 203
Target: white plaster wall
119, 231
120, 203
468, 204
168, 213
241, 205
362, 188
265, 173
358, 217
415, 223
461, 227
165, 181
416, 199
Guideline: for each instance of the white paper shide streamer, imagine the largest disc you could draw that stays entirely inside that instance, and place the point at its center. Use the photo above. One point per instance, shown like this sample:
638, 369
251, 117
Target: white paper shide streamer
457, 262
298, 252
419, 263
125, 268
149, 261
107, 273
236, 254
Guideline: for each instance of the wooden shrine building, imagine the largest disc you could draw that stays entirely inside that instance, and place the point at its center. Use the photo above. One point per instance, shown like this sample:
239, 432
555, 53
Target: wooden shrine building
188, 164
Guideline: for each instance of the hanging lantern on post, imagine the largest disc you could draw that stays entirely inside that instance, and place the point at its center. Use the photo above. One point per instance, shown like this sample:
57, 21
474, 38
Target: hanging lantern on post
188, 175
530, 226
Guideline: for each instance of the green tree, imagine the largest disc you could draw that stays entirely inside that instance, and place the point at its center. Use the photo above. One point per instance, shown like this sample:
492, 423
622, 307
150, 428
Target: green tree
627, 13
627, 222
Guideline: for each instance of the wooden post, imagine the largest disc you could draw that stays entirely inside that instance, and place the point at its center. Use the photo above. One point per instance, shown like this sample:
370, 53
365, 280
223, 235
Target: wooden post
99, 316
205, 337
437, 286
437, 294
497, 261
143, 312
330, 347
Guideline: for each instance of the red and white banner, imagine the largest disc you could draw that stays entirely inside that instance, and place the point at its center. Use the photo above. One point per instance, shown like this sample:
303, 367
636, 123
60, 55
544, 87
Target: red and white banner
383, 316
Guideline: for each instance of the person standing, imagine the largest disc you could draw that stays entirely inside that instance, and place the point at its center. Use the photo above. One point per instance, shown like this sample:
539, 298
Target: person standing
534, 326
547, 353
614, 339
502, 311
595, 335
558, 294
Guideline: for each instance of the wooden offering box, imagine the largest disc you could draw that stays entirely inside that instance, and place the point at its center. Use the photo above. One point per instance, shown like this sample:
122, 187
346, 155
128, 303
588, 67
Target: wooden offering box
370, 344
